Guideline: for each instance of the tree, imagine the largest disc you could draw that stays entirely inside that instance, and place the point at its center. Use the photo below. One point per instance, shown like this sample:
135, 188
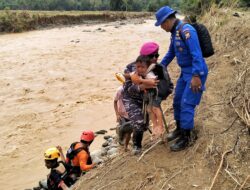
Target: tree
116, 5
190, 6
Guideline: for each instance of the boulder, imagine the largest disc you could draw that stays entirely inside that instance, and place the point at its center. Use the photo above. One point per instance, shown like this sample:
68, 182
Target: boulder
112, 151
105, 144
106, 137
96, 153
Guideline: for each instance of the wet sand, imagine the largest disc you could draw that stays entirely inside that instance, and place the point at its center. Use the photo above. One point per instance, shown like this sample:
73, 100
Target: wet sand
55, 83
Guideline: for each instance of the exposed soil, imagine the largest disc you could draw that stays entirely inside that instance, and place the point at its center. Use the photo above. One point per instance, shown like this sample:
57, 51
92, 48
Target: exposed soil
59, 82
219, 128
19, 21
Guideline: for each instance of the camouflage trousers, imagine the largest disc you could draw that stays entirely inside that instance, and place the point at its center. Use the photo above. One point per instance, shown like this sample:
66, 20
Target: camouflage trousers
135, 113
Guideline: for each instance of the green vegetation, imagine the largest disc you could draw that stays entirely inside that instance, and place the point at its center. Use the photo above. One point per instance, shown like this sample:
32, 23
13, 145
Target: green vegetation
18, 21
16, 18
201, 6
116, 5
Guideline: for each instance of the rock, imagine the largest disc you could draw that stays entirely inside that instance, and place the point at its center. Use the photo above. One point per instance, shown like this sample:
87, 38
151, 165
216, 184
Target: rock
86, 31
110, 140
103, 152
96, 153
43, 183
101, 132
114, 145
80, 102
122, 23
113, 155
97, 160
106, 137
112, 129
112, 151
236, 15
107, 148
100, 30
105, 144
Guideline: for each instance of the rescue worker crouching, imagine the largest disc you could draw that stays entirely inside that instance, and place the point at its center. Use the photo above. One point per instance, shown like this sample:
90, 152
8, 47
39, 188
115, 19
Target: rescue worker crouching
78, 155
58, 178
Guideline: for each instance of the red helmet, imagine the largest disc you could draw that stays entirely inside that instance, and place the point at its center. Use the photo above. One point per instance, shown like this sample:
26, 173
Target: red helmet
87, 136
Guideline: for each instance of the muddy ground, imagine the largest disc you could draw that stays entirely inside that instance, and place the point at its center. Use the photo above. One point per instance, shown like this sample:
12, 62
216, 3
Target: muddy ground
59, 82
221, 132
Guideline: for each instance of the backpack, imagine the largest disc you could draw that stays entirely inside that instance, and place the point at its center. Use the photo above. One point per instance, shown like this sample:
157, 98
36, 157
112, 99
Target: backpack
52, 184
165, 85
204, 38
71, 152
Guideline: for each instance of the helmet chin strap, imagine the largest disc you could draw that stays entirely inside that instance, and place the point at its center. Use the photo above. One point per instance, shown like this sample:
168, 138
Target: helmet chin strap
85, 143
55, 164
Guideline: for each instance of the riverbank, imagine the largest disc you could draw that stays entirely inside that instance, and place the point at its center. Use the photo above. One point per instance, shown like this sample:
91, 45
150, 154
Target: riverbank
219, 159
19, 21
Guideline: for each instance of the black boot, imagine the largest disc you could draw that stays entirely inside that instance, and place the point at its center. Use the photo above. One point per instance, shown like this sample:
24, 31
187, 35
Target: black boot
121, 133
137, 139
176, 133
182, 142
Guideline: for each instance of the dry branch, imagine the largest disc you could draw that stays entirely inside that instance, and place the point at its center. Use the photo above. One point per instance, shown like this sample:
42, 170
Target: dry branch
173, 176
230, 174
230, 125
146, 151
177, 173
112, 182
239, 99
220, 166
243, 184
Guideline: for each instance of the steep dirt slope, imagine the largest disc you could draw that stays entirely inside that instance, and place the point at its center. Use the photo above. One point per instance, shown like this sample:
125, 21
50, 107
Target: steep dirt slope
219, 128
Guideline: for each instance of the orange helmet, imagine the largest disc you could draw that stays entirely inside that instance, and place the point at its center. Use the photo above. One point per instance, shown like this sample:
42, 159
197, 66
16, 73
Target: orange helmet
87, 136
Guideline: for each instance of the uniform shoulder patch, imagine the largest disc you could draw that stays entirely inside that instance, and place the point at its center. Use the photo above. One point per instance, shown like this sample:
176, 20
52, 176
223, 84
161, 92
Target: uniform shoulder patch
187, 34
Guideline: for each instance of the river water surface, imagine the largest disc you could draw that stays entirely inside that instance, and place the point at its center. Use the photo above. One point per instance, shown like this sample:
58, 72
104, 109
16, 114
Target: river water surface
55, 83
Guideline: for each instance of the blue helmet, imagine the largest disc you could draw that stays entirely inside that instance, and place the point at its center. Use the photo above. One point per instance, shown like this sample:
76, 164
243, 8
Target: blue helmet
162, 14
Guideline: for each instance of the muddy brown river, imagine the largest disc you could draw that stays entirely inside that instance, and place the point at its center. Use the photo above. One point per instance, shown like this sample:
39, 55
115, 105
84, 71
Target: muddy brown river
55, 83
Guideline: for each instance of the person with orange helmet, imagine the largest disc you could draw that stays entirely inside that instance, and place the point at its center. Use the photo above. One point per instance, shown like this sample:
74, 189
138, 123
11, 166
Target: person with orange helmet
78, 155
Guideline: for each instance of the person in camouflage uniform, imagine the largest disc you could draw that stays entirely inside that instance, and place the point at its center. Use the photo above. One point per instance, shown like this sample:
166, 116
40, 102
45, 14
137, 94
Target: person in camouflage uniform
133, 99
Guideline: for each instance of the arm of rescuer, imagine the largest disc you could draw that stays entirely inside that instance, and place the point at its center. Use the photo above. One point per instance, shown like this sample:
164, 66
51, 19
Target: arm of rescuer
83, 158
147, 83
169, 55
134, 89
190, 36
56, 177
130, 74
116, 108
61, 153
63, 186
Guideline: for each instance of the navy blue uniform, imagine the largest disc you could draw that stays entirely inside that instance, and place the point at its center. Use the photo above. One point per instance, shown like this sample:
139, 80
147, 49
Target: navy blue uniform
185, 47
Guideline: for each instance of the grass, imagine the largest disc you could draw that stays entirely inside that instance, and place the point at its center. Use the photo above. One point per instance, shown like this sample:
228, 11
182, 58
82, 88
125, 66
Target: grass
18, 21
